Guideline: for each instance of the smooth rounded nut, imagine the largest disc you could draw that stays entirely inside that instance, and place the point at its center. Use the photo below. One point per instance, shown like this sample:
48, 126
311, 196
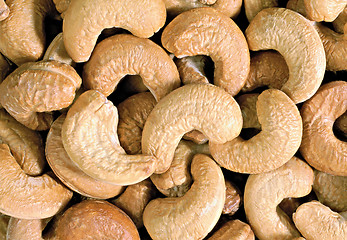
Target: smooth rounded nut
19, 229
278, 141
253, 7
233, 230
190, 216
218, 37
123, 54
263, 193
203, 107
324, 10
248, 106
4, 10
320, 147
297, 41
84, 21
89, 135
56, 51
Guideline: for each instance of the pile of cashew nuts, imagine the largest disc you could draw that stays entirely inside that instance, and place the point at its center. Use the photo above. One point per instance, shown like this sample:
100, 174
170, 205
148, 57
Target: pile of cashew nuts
173, 119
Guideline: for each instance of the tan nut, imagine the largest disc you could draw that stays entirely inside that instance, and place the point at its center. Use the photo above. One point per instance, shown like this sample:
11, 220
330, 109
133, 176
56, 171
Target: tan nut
84, 21
339, 24
320, 147
4, 10
218, 37
3, 226
26, 197
123, 54
253, 7
62, 6
324, 10
298, 42
69, 173
278, 141
89, 135
233, 230
317, 222
195, 214
203, 107
19, 229
248, 106
56, 51
34, 90
263, 193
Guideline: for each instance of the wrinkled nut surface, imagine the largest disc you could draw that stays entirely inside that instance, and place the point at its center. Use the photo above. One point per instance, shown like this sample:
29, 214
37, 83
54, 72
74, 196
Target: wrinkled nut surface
32, 91
195, 214
19, 229
316, 221
89, 135
339, 24
253, 7
83, 24
56, 51
4, 10
297, 41
263, 193
248, 106
320, 147
324, 10
233, 199
218, 37
233, 230
27, 197
99, 219
277, 142
203, 107
69, 173
123, 54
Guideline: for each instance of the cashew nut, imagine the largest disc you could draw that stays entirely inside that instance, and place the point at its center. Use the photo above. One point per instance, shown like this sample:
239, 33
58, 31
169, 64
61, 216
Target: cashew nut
253, 7
4, 10
232, 199
340, 22
248, 106
189, 216
324, 10
62, 6
56, 51
19, 229
295, 38
233, 230
192, 69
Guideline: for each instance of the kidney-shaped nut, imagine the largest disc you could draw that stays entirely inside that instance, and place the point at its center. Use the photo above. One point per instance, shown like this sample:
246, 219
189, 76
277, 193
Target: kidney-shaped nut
298, 42
253, 7
320, 147
218, 37
317, 222
195, 214
19, 229
278, 141
84, 21
233, 230
265, 191
34, 90
324, 10
123, 54
56, 51
89, 135
27, 197
203, 107
4, 10
69, 173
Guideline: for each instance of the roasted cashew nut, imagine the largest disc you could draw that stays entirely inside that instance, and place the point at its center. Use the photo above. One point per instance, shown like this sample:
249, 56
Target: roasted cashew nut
190, 216
233, 230
298, 42
56, 51
218, 37
4, 10
253, 7
19, 229
203, 107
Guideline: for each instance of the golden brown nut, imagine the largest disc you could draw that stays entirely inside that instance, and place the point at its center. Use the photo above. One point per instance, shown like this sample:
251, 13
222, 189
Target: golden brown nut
218, 37
35, 89
320, 147
233, 199
56, 51
233, 230
297, 41
20, 229
4, 10
195, 214
340, 22
324, 10
253, 7
248, 106
3, 226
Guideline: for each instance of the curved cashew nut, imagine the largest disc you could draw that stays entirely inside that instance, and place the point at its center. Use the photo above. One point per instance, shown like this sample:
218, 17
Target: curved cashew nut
56, 51
190, 216
316, 221
233, 230
26, 197
4, 10
324, 10
340, 23
19, 229
82, 24
320, 147
278, 141
90, 138
218, 37
123, 54
248, 106
263, 193
253, 7
69, 173
305, 58
203, 107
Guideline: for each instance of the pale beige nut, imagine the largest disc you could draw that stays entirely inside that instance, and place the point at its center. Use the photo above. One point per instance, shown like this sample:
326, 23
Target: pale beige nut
317, 222
297, 41
123, 54
193, 215
233, 230
27, 197
20, 229
217, 37
203, 107
263, 193
84, 21
253, 7
278, 141
324, 10
89, 135
134, 200
56, 51
339, 24
22, 35
32, 91
248, 106
3, 226
4, 10
69, 173
320, 147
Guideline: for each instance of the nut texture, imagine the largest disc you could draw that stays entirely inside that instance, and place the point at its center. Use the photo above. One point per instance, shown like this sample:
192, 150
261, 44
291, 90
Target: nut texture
253, 7
4, 10
233, 230
324, 10
19, 229
56, 51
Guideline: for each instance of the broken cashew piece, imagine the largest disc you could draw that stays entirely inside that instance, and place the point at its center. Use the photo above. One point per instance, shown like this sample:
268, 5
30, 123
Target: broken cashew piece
19, 229
233, 230
305, 58
253, 7
56, 51
89, 135
83, 24
4, 10
265, 191
189, 216
317, 222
